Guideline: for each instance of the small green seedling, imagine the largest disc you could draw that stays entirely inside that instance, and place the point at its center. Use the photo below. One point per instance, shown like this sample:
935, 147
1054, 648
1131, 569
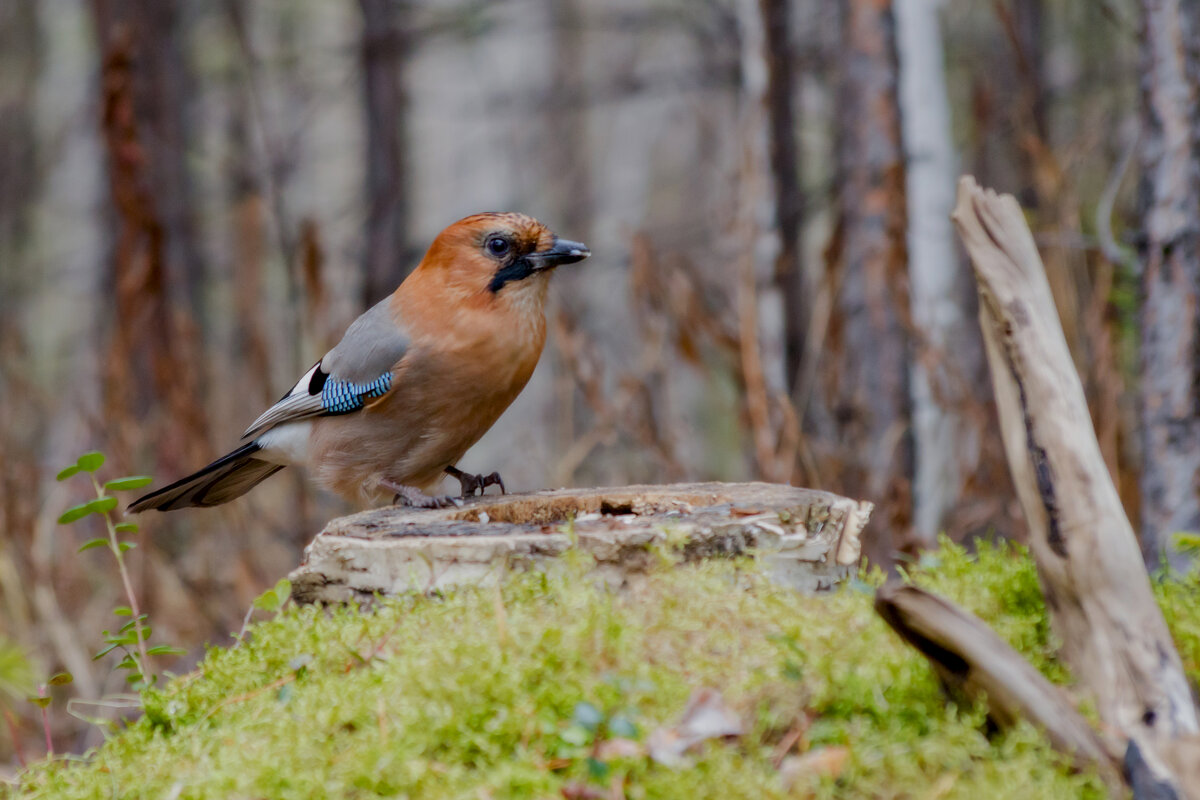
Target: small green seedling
131, 637
42, 701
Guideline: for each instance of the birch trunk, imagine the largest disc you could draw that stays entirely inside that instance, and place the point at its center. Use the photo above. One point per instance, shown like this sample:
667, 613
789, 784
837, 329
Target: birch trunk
945, 448
759, 300
1170, 198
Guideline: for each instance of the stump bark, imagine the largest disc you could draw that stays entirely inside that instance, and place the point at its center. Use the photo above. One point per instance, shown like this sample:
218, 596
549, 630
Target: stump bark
805, 538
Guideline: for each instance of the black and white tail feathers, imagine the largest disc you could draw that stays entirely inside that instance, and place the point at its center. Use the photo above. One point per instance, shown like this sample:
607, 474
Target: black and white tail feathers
229, 477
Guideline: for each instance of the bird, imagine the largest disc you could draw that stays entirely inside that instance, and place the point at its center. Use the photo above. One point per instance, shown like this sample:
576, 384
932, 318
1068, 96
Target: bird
414, 382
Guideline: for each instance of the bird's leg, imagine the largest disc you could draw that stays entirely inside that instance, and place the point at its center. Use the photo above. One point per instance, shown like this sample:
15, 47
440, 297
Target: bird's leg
468, 483
414, 498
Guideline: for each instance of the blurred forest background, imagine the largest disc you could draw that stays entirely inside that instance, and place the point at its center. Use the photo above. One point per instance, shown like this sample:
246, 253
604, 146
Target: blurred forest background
197, 197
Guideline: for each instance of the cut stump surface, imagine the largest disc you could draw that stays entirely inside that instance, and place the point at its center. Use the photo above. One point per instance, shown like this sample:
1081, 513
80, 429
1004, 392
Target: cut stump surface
805, 538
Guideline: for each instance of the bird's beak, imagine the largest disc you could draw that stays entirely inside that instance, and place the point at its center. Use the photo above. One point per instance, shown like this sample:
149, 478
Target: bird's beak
564, 251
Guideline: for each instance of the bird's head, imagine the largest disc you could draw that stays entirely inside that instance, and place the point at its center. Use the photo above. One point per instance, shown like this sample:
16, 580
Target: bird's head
505, 255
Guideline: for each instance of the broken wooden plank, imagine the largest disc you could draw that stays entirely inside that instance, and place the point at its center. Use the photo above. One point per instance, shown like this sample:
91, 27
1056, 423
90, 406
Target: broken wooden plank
805, 538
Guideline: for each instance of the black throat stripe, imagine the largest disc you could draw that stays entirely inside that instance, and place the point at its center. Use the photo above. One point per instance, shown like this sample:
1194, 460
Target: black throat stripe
517, 270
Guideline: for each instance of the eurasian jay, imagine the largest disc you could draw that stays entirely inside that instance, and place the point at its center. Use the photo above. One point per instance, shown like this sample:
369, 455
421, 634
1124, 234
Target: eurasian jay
414, 382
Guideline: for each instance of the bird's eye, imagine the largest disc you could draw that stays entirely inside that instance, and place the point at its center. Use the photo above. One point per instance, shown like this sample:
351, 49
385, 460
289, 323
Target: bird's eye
498, 245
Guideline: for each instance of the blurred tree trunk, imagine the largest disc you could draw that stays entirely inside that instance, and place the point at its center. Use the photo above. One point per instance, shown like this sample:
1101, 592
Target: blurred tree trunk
19, 57
782, 125
163, 88
250, 359
951, 411
1080, 282
568, 157
1025, 23
760, 302
22, 441
385, 47
1044, 187
155, 361
166, 95
1170, 324
864, 415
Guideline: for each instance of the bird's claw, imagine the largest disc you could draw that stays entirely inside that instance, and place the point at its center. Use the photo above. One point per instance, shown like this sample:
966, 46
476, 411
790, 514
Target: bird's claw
469, 483
413, 497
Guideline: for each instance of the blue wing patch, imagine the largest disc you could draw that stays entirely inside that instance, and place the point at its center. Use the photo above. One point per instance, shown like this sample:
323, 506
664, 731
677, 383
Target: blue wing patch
342, 397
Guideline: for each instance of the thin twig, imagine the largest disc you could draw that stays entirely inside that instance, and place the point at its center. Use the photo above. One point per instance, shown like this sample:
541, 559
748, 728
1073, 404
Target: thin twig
115, 546
286, 679
1104, 208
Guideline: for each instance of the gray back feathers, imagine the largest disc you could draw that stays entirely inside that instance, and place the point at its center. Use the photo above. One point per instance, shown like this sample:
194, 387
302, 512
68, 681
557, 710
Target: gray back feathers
372, 345
370, 348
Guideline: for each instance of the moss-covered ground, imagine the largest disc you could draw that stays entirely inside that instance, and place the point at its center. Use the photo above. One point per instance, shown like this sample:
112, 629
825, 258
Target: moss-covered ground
499, 693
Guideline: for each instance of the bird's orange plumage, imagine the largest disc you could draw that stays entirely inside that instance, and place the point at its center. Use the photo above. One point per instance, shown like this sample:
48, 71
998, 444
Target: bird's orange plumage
415, 381
467, 343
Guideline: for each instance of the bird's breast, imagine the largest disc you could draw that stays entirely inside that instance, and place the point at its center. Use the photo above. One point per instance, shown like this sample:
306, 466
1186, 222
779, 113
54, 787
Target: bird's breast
446, 394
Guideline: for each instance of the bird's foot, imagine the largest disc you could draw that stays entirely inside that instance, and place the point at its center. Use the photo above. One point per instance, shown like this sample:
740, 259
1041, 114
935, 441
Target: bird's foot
414, 498
468, 483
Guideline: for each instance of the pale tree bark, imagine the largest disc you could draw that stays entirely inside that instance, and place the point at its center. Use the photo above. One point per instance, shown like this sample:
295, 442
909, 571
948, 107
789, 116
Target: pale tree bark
1170, 257
385, 47
1102, 607
952, 408
760, 304
568, 155
861, 411
934, 271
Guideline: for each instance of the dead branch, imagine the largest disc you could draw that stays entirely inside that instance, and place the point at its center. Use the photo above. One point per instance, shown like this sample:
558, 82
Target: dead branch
1113, 635
971, 658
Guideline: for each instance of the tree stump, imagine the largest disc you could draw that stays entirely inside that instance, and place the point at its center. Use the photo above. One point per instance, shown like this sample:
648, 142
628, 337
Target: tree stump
804, 538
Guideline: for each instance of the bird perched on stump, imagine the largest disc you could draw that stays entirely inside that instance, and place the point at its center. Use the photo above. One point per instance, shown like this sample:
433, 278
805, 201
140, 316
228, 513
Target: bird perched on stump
414, 382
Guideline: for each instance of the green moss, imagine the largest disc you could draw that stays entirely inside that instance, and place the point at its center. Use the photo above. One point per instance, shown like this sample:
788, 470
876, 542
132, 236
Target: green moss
997, 582
1179, 598
498, 693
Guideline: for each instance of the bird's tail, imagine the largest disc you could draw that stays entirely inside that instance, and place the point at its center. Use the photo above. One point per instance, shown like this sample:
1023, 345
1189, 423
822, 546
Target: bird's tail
230, 476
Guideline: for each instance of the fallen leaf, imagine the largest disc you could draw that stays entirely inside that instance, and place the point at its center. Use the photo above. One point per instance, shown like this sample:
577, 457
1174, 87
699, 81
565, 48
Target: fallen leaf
790, 740
822, 762
942, 786
705, 717
619, 748
577, 790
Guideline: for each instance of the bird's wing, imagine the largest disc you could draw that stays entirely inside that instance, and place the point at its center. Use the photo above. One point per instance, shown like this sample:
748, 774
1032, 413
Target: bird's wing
358, 369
